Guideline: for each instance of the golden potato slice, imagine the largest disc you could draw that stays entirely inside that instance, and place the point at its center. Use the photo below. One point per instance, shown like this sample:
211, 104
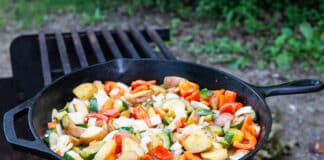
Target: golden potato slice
130, 145
108, 149
92, 133
197, 142
215, 154
85, 91
128, 155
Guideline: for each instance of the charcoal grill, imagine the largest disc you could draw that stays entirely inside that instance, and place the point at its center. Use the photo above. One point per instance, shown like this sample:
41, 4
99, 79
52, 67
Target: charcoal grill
39, 59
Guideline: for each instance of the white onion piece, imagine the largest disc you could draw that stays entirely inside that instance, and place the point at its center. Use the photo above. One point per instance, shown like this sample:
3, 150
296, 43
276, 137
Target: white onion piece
244, 110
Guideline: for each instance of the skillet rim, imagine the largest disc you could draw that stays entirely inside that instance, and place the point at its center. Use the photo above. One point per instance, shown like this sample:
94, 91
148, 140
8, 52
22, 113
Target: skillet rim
251, 87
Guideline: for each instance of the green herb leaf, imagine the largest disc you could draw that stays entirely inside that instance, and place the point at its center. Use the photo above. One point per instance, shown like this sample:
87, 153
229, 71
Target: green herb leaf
306, 30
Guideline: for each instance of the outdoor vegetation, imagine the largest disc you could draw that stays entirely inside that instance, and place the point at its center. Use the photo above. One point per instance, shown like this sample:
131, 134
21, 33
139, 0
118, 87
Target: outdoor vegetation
283, 35
288, 34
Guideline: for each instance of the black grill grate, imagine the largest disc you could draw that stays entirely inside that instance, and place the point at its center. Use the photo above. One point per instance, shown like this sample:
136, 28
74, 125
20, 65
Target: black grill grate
39, 59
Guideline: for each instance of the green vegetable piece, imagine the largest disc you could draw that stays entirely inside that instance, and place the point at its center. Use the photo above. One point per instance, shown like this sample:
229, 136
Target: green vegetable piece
67, 156
229, 137
238, 124
205, 93
125, 105
62, 122
89, 157
166, 120
209, 117
93, 105
216, 130
225, 144
166, 137
203, 112
88, 153
65, 107
254, 116
120, 105
127, 129
83, 125
47, 135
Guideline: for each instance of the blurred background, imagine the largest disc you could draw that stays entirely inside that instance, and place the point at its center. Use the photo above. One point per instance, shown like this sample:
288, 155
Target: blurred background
263, 42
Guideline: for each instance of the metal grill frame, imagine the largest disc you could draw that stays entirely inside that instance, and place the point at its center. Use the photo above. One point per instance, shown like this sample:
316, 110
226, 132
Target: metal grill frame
33, 56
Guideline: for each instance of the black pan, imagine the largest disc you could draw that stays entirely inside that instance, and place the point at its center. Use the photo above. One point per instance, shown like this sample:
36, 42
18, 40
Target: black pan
126, 70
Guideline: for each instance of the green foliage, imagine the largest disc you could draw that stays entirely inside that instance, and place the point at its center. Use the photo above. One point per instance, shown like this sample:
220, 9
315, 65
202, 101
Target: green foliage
286, 31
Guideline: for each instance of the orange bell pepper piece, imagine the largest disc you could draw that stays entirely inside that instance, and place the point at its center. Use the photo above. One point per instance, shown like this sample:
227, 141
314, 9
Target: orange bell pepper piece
161, 153
189, 156
183, 138
109, 85
107, 105
140, 88
138, 83
181, 157
187, 88
141, 113
249, 144
229, 96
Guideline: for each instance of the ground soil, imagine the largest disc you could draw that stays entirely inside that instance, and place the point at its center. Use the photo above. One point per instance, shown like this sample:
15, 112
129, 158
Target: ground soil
302, 115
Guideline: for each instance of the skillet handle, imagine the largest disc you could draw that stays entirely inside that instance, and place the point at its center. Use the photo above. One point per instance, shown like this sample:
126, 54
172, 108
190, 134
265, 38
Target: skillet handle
9, 128
294, 87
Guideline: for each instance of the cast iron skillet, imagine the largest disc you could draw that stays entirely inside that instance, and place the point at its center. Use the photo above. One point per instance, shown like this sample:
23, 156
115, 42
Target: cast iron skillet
126, 70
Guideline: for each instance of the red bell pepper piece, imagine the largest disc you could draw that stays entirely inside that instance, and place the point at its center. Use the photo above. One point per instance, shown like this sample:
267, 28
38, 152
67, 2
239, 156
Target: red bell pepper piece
51, 125
194, 96
98, 116
180, 122
118, 140
146, 157
112, 113
161, 153
230, 107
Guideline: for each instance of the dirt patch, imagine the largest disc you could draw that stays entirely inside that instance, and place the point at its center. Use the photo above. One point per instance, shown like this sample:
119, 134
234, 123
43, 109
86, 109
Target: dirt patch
302, 115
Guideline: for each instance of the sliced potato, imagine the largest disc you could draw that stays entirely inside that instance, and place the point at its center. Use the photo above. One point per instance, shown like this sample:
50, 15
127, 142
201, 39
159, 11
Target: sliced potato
128, 155
107, 150
99, 84
81, 107
130, 145
155, 141
215, 154
197, 142
92, 133
85, 90
70, 128
92, 149
157, 89
172, 81
75, 141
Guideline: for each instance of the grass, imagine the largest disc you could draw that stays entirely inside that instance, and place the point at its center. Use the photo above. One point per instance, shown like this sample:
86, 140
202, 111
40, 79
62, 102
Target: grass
286, 32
